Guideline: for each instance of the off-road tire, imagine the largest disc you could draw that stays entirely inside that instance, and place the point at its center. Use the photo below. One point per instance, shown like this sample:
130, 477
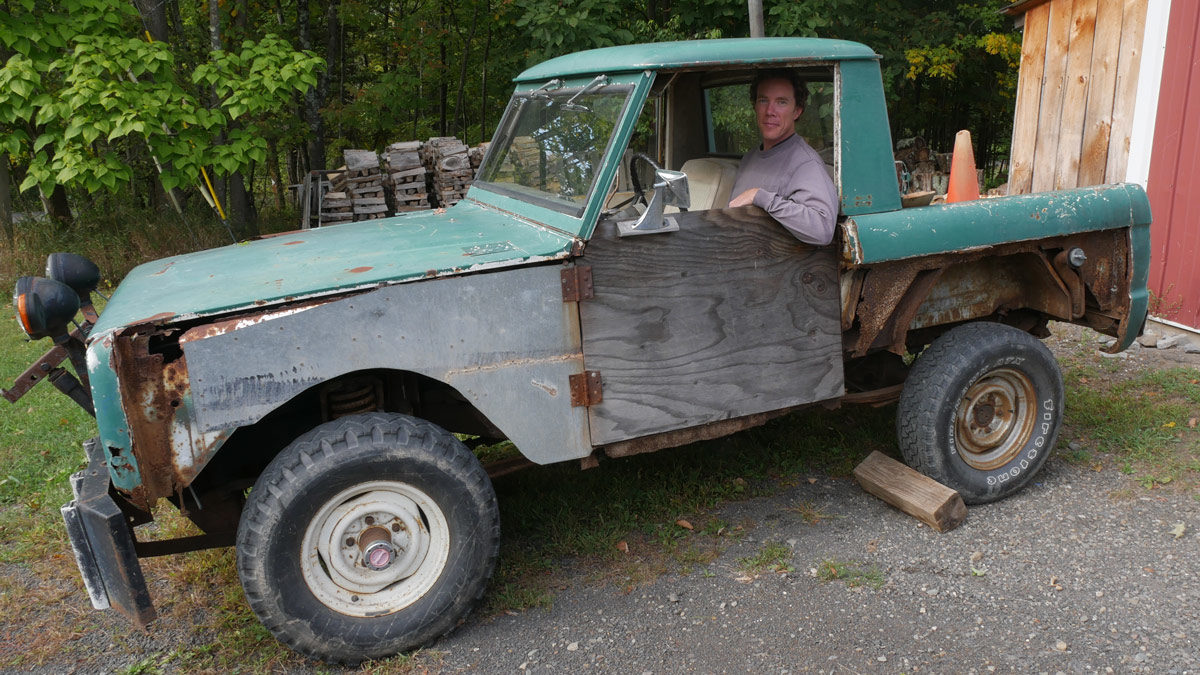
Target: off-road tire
353, 463
980, 410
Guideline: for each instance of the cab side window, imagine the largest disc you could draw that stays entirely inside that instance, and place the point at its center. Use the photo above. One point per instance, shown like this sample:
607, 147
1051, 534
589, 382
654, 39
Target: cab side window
731, 128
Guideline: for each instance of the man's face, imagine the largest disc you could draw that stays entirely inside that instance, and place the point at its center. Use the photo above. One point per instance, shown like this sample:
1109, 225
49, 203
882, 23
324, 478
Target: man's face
776, 111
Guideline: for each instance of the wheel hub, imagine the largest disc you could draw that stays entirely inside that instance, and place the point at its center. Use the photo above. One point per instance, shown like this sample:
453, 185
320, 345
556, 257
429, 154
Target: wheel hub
995, 418
374, 548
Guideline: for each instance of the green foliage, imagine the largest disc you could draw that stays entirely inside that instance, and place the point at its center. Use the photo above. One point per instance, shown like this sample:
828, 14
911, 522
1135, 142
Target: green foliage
94, 91
562, 27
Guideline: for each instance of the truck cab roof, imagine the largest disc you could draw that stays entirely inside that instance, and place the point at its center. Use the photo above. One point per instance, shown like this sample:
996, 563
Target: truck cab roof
691, 54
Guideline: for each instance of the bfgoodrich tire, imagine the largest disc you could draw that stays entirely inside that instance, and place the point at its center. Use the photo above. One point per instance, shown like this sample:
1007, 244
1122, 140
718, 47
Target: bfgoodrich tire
981, 410
368, 536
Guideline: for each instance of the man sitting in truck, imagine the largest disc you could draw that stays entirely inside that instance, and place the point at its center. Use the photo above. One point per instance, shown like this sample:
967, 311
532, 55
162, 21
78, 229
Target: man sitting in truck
784, 176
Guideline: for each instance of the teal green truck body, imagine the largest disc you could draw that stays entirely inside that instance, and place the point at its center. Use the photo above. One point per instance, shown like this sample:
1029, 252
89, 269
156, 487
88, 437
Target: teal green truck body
520, 313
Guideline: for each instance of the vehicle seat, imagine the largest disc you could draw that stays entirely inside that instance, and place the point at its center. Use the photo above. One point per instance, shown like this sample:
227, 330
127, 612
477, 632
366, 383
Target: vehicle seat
710, 180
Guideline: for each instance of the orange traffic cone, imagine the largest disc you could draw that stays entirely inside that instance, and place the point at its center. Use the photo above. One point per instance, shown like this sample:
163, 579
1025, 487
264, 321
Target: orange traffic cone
964, 182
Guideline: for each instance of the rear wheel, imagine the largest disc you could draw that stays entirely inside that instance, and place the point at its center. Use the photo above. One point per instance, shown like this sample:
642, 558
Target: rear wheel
368, 536
981, 410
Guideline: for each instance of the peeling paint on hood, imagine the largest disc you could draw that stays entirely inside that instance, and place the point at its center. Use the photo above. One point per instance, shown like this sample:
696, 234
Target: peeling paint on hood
328, 260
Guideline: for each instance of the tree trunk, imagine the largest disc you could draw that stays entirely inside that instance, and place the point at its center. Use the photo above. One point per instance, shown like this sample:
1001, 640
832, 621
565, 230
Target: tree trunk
314, 98
273, 172
442, 127
57, 207
241, 208
176, 24
214, 44
154, 15
214, 26
6, 212
460, 112
483, 104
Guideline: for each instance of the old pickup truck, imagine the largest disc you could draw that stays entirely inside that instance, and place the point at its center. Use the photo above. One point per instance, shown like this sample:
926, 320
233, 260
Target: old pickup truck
305, 397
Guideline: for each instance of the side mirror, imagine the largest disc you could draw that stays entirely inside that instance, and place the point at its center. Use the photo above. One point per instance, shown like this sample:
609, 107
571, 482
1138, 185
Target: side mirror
670, 189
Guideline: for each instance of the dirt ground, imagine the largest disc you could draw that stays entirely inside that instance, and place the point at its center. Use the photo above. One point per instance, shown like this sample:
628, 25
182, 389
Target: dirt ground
1083, 571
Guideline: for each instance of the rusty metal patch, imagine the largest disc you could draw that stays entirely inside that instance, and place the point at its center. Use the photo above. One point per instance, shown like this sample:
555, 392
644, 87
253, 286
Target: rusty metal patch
151, 393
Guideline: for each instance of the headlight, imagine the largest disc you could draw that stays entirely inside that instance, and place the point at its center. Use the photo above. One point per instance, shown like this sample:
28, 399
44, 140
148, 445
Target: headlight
44, 306
74, 270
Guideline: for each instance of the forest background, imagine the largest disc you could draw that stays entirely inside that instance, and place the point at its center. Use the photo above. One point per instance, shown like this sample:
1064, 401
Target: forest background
114, 113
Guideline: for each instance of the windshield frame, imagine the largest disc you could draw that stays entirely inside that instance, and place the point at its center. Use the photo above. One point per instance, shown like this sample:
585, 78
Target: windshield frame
578, 220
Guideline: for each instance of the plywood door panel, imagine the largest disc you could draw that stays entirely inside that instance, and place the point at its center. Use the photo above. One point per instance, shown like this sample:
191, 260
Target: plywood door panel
729, 316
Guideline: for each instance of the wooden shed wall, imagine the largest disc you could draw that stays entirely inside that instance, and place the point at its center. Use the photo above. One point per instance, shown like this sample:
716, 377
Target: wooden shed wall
1175, 173
1075, 94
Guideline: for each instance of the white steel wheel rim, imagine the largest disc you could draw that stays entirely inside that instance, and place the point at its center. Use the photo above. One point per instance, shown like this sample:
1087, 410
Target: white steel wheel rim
369, 523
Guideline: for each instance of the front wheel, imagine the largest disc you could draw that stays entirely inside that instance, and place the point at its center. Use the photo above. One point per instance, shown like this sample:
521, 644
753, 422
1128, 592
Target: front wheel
981, 410
368, 536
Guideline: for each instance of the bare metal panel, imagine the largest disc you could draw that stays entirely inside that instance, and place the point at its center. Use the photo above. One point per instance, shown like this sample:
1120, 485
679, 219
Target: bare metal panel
505, 340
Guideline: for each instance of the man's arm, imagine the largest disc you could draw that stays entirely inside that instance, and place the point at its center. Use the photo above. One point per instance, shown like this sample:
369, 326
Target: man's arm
807, 205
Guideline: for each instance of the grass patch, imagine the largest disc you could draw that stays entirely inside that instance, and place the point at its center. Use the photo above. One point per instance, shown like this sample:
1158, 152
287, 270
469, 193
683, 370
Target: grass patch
772, 556
1139, 421
809, 513
854, 574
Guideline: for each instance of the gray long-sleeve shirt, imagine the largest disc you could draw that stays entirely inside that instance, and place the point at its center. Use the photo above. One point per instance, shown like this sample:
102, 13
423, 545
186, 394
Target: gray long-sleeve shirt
793, 187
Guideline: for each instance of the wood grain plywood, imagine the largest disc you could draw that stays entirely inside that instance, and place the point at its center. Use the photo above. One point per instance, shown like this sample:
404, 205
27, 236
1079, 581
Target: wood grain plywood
730, 316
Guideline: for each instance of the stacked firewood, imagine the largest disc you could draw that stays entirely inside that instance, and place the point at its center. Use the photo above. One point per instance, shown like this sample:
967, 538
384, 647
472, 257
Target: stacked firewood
406, 176
356, 191
477, 154
448, 161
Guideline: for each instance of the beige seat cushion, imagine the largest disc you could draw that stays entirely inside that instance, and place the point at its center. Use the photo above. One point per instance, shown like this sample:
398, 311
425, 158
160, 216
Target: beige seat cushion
710, 179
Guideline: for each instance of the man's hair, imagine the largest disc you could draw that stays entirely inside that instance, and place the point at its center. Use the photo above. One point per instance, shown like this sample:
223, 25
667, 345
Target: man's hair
799, 88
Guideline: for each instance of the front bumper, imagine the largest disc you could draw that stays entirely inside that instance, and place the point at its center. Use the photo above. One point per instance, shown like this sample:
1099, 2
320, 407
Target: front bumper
103, 543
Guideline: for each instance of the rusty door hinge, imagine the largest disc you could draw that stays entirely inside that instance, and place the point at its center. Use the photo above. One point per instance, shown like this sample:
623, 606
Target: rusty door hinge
586, 388
577, 283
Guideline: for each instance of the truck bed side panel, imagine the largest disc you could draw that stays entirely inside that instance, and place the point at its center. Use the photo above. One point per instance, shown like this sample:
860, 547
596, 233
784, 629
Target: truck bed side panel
916, 232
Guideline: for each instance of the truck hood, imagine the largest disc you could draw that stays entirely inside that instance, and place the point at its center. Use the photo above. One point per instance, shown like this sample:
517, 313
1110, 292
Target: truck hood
309, 263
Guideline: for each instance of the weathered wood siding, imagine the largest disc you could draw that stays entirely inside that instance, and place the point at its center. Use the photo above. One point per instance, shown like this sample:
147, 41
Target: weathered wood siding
1075, 94
728, 317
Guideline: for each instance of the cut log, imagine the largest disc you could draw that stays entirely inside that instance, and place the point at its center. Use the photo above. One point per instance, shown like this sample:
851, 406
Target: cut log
914, 493
358, 160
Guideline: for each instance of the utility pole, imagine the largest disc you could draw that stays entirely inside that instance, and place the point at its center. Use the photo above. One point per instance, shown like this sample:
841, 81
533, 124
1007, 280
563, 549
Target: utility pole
756, 18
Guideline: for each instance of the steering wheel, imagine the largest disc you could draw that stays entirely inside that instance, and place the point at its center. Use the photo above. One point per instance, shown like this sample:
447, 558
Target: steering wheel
639, 192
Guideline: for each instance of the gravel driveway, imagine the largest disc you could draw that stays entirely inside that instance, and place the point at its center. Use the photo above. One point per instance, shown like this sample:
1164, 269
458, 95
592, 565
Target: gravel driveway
1078, 573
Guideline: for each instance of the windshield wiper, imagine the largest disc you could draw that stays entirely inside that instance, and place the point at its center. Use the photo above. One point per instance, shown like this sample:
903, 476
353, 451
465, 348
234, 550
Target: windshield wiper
598, 81
540, 92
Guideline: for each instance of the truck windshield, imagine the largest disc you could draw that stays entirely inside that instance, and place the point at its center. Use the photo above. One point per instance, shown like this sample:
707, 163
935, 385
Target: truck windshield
550, 145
